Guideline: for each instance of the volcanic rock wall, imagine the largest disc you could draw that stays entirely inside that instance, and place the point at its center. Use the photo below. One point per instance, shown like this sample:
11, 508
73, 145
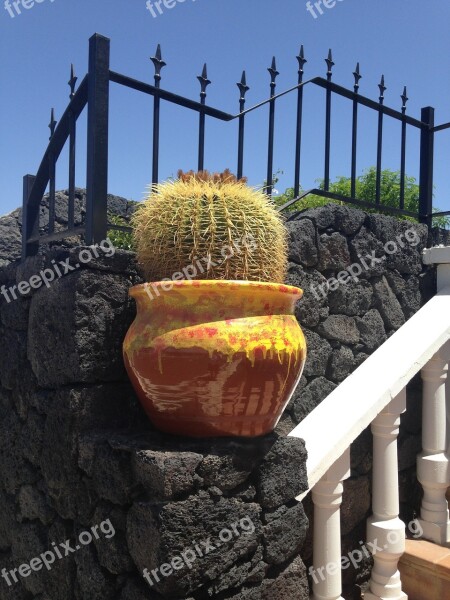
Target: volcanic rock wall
363, 277
83, 473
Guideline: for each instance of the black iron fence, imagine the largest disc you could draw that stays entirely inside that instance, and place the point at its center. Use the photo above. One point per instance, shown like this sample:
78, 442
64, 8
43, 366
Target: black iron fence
93, 92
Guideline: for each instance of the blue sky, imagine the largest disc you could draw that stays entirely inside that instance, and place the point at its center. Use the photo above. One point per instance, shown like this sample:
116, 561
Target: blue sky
407, 41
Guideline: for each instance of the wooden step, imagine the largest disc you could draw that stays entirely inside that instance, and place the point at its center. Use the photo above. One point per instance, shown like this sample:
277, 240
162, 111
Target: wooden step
425, 571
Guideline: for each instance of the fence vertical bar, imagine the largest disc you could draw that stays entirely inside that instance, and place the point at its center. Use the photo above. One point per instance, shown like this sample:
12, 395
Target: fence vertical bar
404, 98
243, 88
158, 64
273, 75
426, 166
51, 192
298, 136
52, 176
204, 82
330, 65
30, 219
382, 88
97, 140
72, 150
357, 77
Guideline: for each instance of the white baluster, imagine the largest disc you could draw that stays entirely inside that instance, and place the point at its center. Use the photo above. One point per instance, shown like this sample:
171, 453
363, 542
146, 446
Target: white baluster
447, 401
385, 531
433, 465
327, 497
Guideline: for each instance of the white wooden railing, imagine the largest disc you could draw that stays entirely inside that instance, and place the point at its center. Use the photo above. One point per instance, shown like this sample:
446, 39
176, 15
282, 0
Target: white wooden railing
375, 394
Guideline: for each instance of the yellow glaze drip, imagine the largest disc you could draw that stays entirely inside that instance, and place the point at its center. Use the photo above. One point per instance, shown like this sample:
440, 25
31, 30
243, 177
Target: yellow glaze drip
270, 336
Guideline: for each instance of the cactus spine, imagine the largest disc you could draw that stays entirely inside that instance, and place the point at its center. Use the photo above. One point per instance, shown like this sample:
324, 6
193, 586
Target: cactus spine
214, 225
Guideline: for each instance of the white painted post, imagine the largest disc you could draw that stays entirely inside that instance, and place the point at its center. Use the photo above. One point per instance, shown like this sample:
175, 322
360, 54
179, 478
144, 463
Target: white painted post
440, 256
433, 464
327, 497
385, 531
447, 398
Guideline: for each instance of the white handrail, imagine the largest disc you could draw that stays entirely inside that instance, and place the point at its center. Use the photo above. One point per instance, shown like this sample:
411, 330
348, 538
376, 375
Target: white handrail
331, 427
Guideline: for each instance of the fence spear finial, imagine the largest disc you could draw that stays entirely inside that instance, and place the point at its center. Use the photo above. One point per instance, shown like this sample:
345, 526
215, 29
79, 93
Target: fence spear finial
158, 63
382, 88
273, 73
405, 99
52, 123
301, 62
357, 75
330, 64
72, 81
243, 87
204, 81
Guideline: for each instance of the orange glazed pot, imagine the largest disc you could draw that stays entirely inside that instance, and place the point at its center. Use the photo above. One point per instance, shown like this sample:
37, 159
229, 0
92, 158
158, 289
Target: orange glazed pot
215, 358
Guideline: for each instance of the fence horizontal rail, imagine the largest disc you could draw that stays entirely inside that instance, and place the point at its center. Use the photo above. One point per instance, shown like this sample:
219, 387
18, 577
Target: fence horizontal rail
441, 214
34, 188
347, 200
441, 127
342, 91
124, 228
58, 235
152, 90
60, 137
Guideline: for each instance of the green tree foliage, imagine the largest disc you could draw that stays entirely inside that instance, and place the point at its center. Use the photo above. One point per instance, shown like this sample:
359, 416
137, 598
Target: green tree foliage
365, 190
120, 239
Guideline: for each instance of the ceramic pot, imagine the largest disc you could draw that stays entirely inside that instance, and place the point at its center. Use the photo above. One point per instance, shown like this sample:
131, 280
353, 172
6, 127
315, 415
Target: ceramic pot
215, 358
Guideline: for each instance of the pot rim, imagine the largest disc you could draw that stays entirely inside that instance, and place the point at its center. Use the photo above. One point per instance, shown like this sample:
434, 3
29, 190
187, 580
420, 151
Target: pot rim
214, 284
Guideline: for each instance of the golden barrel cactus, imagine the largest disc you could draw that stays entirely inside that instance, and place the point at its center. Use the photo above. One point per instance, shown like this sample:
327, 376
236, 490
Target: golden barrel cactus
210, 226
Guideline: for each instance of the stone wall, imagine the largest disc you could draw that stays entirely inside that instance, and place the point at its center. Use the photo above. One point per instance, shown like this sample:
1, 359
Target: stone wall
76, 450
11, 224
345, 324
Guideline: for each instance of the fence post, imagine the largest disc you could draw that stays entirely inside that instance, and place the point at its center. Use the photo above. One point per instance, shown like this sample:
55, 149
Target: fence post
30, 219
97, 140
426, 167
